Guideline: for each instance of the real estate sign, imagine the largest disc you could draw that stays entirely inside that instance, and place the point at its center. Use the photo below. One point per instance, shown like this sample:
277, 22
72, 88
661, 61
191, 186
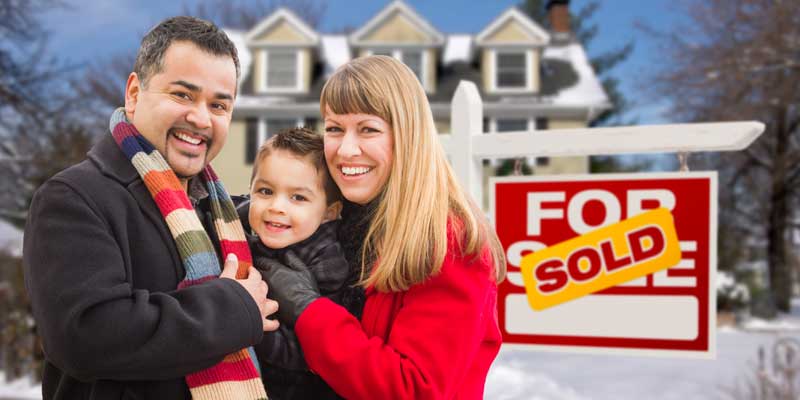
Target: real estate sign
621, 263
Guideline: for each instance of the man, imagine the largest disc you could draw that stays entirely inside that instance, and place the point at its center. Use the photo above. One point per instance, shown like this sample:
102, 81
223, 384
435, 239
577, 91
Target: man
101, 262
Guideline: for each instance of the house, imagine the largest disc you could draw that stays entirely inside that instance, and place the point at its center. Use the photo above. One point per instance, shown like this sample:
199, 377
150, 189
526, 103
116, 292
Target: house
529, 78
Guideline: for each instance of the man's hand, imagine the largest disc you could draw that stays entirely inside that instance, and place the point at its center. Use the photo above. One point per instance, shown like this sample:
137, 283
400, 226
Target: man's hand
293, 286
257, 289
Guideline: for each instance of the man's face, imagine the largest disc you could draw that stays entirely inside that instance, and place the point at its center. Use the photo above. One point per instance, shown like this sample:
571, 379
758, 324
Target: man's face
185, 110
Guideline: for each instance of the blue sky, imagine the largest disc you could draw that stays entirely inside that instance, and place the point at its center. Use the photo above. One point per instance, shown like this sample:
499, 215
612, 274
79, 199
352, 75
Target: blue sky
92, 29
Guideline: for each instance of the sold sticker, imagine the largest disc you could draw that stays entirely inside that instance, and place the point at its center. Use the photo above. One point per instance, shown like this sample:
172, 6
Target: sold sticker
605, 257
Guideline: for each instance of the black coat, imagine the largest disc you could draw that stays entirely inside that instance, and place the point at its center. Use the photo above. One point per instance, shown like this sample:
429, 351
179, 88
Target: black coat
101, 269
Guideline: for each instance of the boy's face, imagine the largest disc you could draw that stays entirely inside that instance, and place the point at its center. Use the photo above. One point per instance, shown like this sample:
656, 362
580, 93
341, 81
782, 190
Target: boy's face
287, 200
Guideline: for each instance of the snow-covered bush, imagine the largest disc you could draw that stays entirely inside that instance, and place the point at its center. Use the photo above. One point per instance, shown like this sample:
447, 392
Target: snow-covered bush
731, 295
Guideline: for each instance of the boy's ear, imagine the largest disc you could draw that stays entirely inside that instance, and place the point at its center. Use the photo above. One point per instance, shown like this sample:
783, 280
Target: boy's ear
332, 212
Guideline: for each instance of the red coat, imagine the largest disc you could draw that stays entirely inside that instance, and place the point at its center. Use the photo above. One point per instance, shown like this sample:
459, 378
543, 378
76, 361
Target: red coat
433, 341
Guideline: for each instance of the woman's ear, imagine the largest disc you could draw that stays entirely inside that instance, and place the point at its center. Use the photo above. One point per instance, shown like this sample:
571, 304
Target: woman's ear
332, 212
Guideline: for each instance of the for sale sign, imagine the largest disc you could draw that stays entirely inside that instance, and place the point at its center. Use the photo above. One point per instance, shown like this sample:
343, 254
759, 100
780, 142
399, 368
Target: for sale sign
619, 263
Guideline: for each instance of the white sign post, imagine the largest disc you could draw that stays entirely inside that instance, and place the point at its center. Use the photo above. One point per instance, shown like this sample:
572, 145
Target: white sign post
467, 145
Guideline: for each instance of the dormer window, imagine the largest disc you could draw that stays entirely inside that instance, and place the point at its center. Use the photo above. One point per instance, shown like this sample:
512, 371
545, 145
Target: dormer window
282, 69
511, 70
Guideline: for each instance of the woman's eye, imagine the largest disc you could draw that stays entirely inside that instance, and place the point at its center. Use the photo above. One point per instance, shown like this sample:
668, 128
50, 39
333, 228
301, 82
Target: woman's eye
264, 191
298, 197
333, 129
368, 129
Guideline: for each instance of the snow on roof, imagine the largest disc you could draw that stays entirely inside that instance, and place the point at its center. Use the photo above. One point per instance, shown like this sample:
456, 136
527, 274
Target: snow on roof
457, 48
335, 52
245, 58
588, 90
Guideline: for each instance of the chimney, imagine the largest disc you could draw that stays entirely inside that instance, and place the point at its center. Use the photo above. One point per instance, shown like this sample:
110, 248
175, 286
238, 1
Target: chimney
558, 16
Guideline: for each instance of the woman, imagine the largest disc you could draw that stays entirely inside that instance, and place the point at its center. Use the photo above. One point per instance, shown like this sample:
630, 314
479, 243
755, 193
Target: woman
429, 260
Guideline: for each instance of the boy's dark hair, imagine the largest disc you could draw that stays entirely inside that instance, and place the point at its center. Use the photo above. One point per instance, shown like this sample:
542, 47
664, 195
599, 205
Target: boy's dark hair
203, 34
305, 143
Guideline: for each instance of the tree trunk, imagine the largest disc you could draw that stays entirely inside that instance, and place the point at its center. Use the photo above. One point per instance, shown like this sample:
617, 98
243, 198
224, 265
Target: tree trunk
780, 276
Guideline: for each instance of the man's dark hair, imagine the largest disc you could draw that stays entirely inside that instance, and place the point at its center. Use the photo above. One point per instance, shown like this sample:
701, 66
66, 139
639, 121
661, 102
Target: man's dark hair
305, 143
204, 34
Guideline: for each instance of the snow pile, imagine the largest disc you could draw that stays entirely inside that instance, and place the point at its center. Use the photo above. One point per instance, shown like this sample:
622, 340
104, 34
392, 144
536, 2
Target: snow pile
245, 58
10, 239
22, 388
588, 90
336, 52
457, 49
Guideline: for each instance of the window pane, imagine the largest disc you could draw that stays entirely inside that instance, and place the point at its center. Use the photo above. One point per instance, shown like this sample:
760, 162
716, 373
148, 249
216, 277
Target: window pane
512, 125
382, 53
414, 61
281, 69
276, 125
511, 70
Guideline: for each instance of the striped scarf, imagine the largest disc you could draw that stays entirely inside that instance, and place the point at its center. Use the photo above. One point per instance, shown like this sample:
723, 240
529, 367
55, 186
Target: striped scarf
237, 376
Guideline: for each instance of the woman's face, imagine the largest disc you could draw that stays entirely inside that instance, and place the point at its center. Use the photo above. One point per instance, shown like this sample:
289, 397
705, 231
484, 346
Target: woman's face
359, 151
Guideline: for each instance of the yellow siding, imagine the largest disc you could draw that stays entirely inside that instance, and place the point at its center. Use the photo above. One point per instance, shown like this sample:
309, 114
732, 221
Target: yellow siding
258, 70
565, 165
430, 85
283, 32
535, 83
229, 163
305, 59
488, 70
510, 32
397, 29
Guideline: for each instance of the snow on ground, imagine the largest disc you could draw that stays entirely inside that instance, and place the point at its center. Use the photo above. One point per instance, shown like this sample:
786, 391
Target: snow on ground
19, 389
10, 238
530, 375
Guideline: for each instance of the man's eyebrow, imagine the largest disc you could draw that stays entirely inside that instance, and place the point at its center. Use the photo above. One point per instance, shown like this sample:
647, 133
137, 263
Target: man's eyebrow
223, 96
191, 86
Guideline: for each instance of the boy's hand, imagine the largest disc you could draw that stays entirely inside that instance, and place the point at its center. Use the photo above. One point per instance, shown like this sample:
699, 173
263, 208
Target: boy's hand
257, 289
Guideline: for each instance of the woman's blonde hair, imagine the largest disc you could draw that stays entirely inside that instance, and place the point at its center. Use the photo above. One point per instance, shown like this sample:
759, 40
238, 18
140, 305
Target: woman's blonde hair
408, 232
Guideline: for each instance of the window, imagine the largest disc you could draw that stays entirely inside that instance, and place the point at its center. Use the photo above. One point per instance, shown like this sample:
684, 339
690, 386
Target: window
282, 69
251, 139
276, 125
511, 71
512, 125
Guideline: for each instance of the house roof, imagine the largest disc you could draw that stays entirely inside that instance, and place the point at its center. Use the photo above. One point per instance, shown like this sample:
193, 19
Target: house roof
393, 8
513, 14
566, 76
281, 14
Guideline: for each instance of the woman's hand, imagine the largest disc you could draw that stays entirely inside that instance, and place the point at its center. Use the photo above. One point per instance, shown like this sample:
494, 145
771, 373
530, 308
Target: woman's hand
292, 285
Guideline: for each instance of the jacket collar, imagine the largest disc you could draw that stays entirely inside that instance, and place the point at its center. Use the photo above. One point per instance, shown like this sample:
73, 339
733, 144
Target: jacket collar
111, 161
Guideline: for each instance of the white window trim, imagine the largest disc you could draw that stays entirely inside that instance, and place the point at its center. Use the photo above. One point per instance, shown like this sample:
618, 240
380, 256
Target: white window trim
528, 72
299, 68
397, 53
263, 128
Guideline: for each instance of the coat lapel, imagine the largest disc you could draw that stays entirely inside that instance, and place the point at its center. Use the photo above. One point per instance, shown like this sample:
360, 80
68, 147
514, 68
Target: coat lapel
112, 162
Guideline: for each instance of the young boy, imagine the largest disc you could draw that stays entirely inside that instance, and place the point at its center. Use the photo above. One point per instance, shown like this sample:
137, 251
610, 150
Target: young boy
293, 211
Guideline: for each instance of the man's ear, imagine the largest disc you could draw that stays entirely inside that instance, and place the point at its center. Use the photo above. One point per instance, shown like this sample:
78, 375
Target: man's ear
332, 212
132, 90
